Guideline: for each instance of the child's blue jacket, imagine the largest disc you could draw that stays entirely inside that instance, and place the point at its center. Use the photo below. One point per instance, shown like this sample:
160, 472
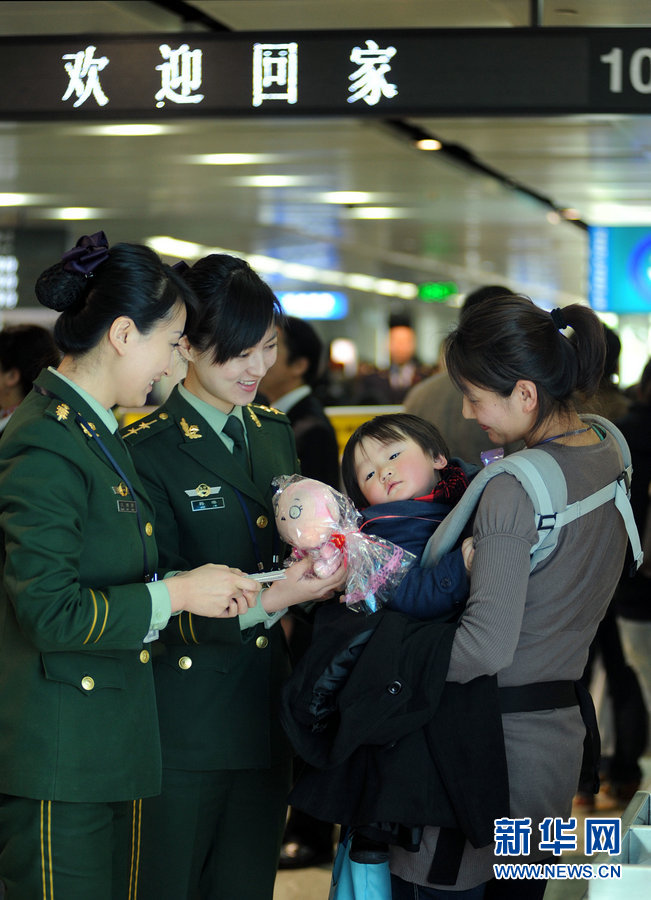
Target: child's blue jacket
423, 593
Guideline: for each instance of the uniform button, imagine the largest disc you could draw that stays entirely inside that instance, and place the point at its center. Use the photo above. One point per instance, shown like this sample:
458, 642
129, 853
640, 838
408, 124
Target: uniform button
261, 642
144, 656
394, 688
149, 529
262, 521
87, 683
445, 582
162, 416
185, 662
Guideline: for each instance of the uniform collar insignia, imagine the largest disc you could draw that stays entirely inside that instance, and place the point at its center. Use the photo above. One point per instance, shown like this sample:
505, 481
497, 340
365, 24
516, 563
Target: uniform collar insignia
190, 431
85, 430
62, 412
255, 419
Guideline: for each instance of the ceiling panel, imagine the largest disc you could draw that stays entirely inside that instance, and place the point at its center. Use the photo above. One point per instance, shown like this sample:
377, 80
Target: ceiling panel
448, 221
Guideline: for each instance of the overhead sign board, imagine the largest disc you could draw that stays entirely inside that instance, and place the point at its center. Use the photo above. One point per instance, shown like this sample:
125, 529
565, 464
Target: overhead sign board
355, 72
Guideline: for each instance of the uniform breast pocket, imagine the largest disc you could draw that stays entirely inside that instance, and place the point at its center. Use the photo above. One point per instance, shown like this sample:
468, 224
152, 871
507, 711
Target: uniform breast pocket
85, 671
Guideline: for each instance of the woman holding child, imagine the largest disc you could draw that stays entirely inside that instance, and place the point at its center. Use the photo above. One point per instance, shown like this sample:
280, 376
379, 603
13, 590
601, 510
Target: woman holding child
517, 371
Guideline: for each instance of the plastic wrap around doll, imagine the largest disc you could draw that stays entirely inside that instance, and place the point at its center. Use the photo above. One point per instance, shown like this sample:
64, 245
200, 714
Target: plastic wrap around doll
319, 522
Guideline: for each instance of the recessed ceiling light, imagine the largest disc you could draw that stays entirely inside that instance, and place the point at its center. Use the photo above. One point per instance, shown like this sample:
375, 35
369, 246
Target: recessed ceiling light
169, 246
272, 181
377, 212
73, 213
429, 144
233, 159
347, 197
135, 129
15, 199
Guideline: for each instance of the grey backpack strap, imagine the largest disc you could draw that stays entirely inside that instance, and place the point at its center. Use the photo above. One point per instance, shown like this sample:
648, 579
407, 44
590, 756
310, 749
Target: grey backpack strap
543, 480
607, 426
447, 534
619, 490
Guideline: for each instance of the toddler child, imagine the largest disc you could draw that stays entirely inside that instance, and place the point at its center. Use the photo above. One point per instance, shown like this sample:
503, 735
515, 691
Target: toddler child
397, 471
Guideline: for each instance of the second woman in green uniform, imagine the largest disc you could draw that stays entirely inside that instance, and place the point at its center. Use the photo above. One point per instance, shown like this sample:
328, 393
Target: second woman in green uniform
207, 458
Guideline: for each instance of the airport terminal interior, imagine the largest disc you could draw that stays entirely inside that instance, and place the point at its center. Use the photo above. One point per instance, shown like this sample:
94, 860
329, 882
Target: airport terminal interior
372, 189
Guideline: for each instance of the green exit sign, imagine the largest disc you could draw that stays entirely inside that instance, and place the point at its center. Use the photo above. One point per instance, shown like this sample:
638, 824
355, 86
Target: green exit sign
436, 291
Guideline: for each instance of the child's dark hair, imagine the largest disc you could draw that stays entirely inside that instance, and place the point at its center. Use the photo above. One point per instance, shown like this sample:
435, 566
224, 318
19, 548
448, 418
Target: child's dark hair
387, 428
131, 281
236, 307
507, 339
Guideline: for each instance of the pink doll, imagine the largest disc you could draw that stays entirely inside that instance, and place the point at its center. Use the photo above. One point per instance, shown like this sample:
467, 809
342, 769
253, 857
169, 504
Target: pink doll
318, 521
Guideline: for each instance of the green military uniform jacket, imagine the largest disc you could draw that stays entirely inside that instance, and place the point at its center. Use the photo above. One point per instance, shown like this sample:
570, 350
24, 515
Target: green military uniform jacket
77, 704
217, 686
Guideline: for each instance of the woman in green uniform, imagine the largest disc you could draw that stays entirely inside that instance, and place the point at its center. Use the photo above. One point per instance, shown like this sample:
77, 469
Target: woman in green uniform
216, 830
79, 599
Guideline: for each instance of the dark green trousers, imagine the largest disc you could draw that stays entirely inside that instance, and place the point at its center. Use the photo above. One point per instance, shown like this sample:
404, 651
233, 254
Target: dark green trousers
214, 835
51, 850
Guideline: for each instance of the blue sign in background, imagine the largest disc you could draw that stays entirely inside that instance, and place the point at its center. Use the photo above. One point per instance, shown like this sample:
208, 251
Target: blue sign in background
620, 269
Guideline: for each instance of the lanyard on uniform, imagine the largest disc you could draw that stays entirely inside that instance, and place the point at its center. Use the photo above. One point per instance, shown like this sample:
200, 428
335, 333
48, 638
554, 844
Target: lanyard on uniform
118, 469
254, 540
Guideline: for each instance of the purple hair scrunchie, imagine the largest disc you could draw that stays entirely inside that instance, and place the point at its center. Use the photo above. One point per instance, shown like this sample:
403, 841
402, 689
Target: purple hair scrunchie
89, 252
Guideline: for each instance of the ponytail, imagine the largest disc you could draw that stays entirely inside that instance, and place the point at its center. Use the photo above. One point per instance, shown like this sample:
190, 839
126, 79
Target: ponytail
508, 339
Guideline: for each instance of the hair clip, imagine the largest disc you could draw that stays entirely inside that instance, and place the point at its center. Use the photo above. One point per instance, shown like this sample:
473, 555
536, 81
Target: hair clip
181, 266
89, 252
558, 318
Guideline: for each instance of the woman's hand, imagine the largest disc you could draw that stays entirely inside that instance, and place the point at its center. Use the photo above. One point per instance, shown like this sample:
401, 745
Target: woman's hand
468, 552
301, 585
212, 590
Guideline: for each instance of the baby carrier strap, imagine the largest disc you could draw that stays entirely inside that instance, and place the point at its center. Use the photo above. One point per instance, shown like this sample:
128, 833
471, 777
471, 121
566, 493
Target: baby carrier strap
543, 480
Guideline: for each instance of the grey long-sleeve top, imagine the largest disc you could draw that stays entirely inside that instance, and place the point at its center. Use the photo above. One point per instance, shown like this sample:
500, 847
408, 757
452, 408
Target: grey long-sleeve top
533, 628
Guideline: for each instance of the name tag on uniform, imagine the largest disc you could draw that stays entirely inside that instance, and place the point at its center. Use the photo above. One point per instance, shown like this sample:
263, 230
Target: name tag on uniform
206, 499
208, 504
128, 506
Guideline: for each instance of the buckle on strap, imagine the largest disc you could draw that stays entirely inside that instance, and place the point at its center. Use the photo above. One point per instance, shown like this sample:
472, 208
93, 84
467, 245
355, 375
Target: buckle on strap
625, 479
542, 523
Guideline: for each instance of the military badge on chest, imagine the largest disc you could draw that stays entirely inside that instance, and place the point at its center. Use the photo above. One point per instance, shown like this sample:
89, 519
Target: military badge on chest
124, 504
204, 498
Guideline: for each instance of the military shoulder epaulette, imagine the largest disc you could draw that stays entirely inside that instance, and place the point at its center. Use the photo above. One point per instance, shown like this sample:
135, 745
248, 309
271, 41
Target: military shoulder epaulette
268, 411
137, 431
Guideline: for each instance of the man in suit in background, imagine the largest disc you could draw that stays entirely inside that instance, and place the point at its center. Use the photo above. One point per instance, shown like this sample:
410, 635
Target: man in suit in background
288, 387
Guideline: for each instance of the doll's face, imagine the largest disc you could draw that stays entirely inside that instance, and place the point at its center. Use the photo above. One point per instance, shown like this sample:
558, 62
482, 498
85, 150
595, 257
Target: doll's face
306, 514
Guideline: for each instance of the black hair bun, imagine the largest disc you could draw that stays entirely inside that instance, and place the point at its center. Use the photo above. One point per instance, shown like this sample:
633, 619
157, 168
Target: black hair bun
59, 289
